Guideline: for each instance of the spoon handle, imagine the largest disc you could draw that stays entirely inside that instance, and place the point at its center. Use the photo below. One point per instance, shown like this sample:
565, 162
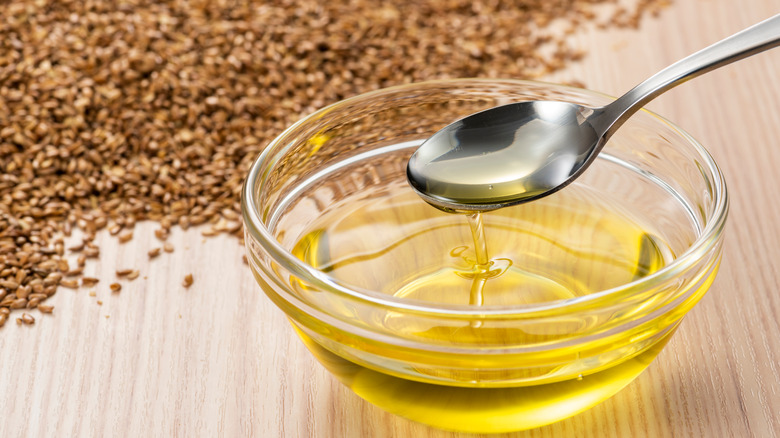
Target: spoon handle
755, 39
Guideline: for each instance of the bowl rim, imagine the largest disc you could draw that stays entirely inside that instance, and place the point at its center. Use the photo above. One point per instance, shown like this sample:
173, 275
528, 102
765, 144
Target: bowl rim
254, 227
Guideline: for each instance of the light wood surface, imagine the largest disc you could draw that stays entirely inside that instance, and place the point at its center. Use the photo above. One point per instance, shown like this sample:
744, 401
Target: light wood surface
218, 359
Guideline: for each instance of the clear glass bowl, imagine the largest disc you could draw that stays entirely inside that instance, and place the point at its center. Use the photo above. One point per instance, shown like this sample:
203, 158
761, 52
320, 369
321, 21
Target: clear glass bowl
499, 366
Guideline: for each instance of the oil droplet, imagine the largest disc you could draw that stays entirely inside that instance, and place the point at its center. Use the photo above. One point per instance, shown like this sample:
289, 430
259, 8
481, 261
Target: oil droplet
579, 377
490, 186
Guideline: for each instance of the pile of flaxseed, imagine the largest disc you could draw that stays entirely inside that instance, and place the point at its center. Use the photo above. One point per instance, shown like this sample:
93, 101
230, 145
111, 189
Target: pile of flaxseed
117, 111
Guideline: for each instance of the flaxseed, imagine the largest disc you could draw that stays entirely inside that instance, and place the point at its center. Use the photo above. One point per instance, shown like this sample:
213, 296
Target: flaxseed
123, 272
70, 284
126, 237
28, 319
89, 281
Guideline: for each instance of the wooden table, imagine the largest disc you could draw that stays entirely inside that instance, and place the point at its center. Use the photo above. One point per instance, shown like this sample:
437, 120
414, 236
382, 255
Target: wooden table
218, 359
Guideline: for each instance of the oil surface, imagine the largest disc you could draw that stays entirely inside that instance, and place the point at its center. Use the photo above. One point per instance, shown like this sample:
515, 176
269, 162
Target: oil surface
567, 245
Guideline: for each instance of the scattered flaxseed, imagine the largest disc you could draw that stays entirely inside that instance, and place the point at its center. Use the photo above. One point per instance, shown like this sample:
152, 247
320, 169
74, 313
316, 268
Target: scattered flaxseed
75, 272
70, 284
133, 274
115, 287
44, 308
99, 303
161, 233
91, 253
124, 272
92, 293
154, 252
89, 281
115, 112
168, 247
27, 319
3, 318
187, 280
126, 236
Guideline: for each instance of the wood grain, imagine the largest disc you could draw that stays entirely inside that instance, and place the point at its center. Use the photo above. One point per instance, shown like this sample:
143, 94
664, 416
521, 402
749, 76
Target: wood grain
218, 359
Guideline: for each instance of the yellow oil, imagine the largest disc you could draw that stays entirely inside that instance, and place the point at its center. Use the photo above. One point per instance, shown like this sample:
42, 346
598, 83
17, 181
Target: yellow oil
484, 410
571, 244
568, 245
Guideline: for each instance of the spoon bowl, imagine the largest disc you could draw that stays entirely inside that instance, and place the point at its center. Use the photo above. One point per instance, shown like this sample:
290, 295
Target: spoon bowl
524, 151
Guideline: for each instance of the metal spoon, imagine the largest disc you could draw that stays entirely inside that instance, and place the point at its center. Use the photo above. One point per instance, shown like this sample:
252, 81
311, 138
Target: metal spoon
523, 151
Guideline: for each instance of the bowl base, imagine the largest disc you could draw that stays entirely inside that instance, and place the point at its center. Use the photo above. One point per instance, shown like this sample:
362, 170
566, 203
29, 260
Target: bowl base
483, 410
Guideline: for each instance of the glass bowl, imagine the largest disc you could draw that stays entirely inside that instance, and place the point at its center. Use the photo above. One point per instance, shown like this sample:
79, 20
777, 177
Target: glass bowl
599, 275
